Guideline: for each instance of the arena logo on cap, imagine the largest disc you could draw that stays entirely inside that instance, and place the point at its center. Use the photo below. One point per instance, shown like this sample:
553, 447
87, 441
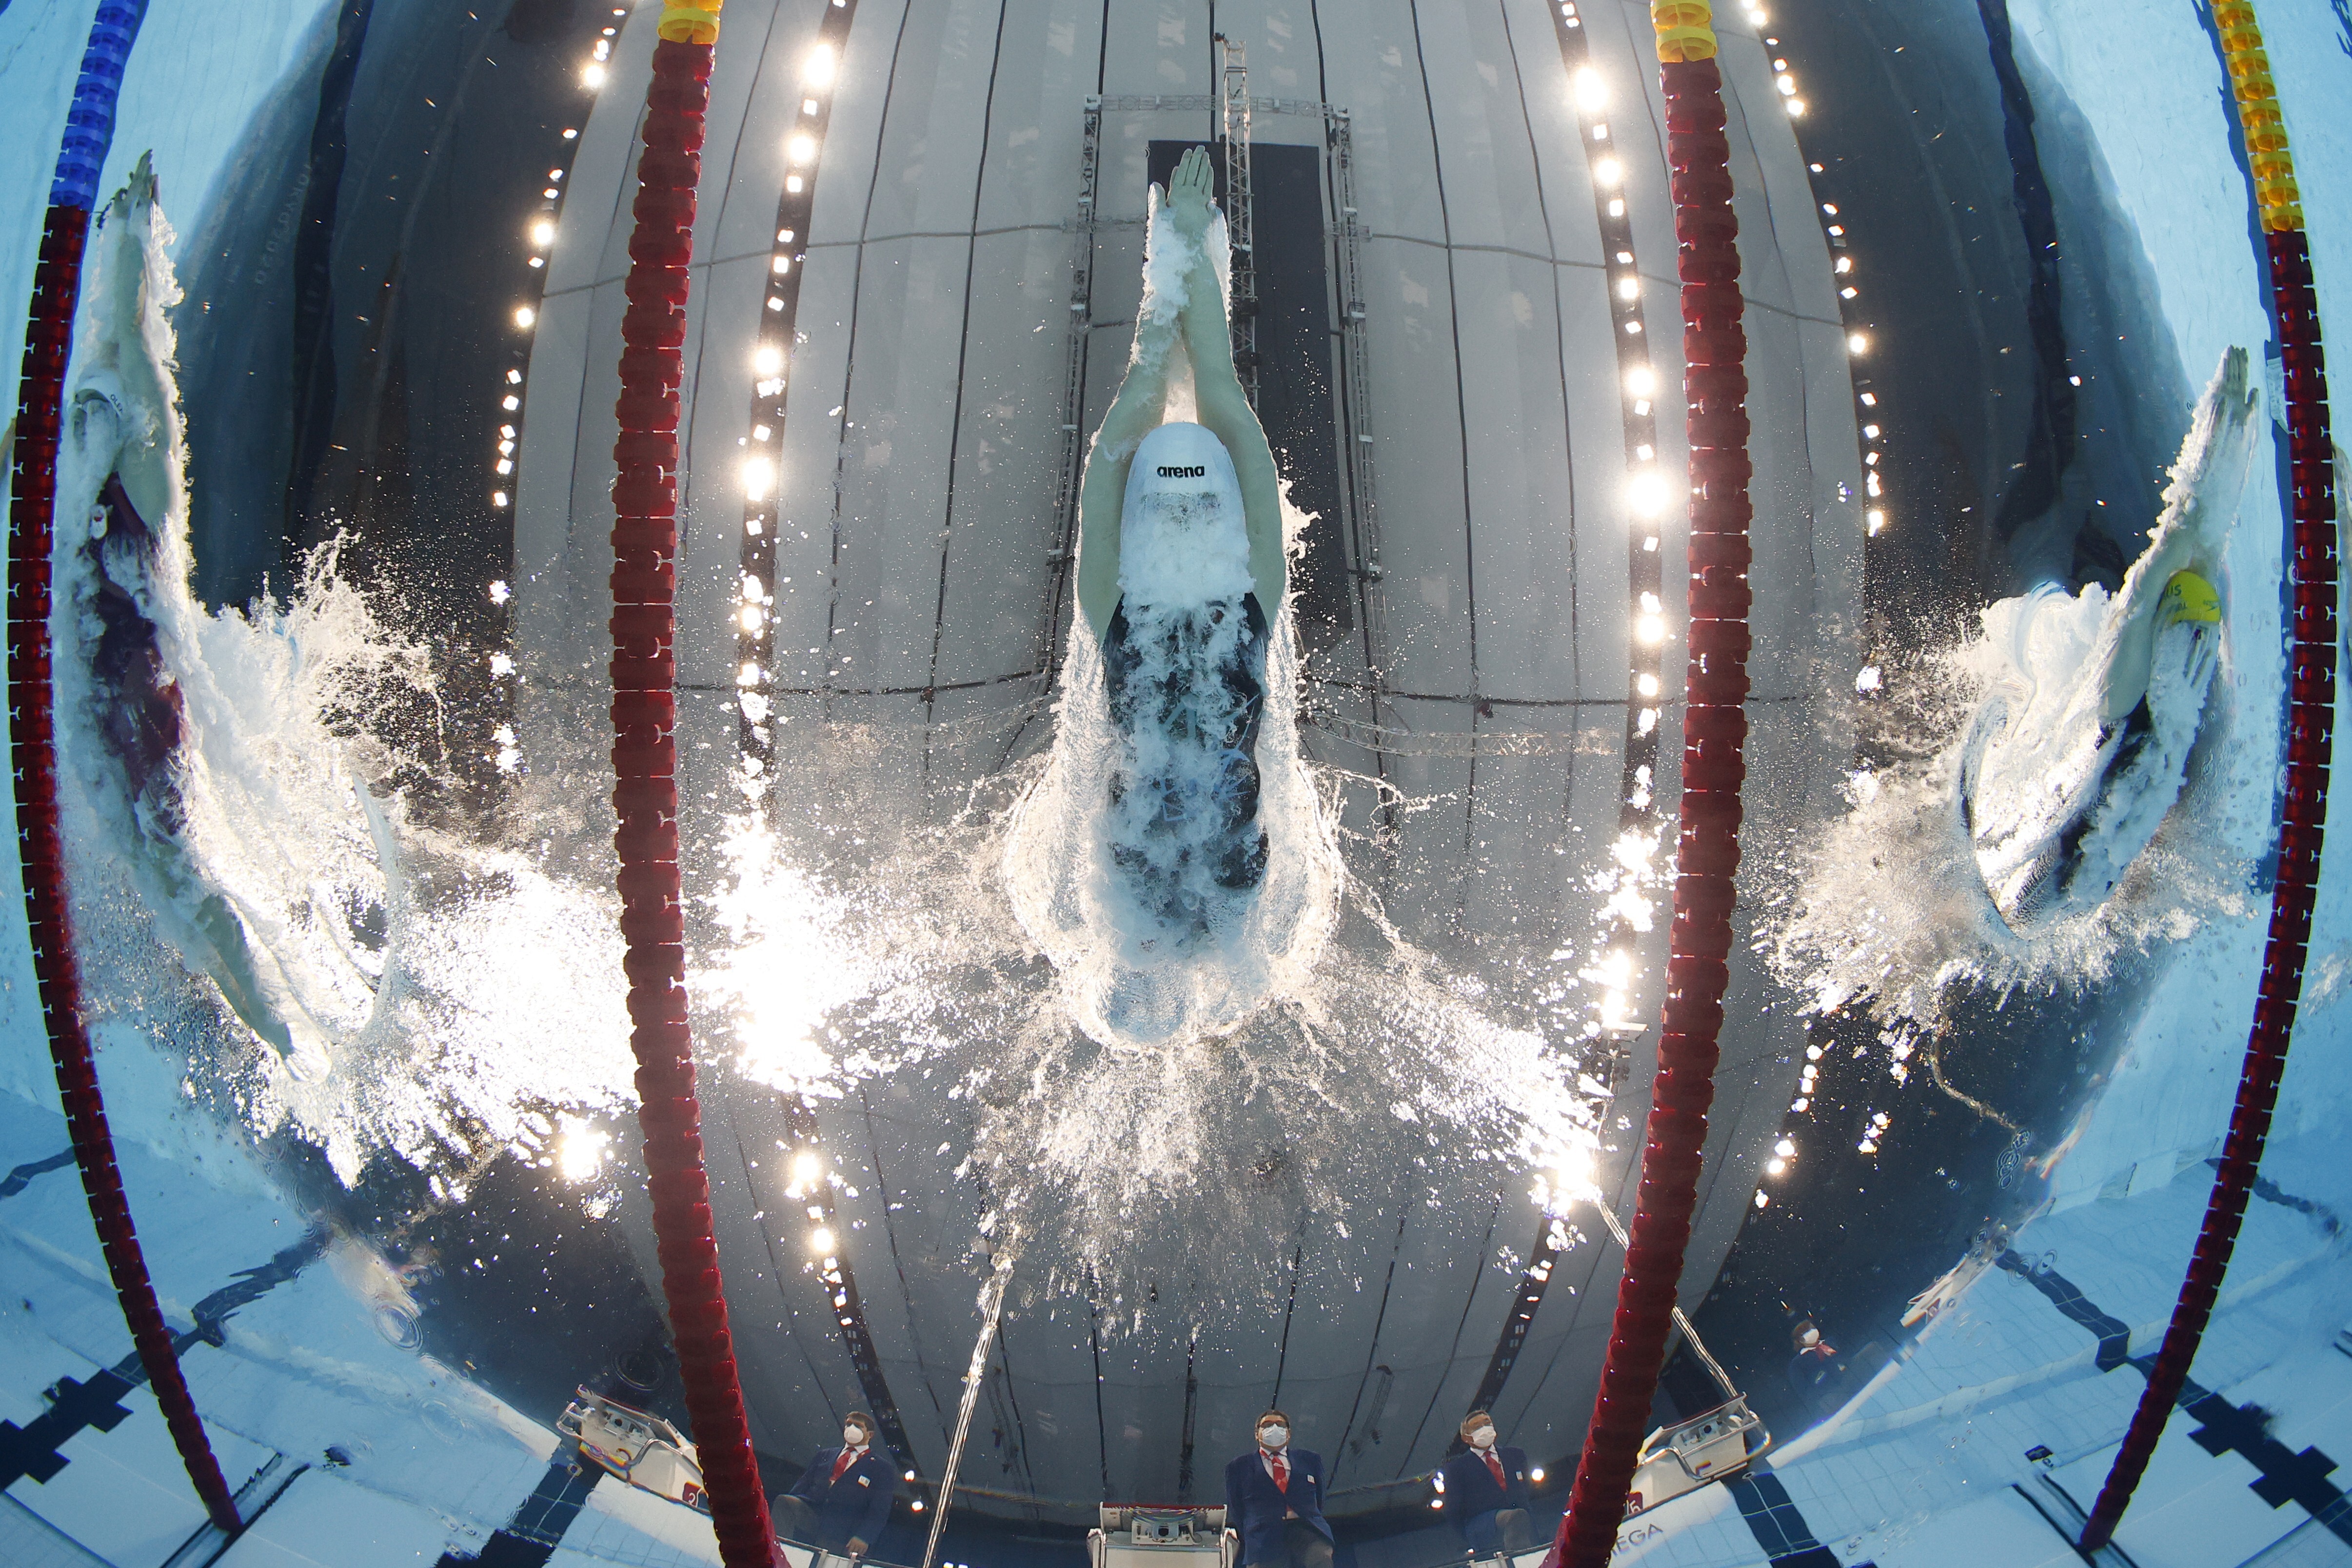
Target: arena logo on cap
1181, 471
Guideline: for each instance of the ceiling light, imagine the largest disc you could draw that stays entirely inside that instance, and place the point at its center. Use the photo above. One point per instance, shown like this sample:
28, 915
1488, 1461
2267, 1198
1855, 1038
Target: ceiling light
1856, 344
543, 233
817, 69
525, 315
1648, 493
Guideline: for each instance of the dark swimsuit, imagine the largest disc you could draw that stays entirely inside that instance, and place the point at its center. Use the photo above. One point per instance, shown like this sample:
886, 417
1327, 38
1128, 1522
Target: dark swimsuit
1235, 848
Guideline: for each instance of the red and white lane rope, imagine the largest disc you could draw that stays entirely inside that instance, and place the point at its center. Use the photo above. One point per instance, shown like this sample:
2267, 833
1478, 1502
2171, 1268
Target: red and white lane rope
1715, 731
645, 765
32, 731
2311, 722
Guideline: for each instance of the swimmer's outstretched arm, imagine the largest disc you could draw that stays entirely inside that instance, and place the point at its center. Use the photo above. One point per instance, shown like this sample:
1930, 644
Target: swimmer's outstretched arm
1135, 413
1224, 407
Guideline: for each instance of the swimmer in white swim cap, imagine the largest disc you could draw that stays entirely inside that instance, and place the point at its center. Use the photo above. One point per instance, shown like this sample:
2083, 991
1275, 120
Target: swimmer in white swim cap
1180, 573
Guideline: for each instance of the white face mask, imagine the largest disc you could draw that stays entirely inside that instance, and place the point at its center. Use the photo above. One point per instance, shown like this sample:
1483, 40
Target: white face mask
1272, 1437
1483, 1439
854, 1436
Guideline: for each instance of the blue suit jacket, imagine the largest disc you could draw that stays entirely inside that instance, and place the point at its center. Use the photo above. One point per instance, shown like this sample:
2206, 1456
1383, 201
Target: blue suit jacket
858, 1505
1470, 1488
1254, 1505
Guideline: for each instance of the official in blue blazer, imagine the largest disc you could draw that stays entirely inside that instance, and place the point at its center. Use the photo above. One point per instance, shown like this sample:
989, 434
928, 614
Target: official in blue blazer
842, 1499
1273, 1497
1486, 1491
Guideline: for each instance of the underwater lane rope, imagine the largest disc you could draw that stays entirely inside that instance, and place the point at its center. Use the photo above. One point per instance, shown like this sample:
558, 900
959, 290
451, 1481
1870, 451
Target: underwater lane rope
645, 767
32, 731
2311, 720
1715, 731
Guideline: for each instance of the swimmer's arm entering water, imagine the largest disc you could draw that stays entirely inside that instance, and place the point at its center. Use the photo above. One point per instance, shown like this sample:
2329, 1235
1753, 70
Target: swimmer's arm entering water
1223, 407
1135, 413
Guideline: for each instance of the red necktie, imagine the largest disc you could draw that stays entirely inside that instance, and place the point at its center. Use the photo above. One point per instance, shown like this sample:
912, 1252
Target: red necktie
1281, 1472
840, 1465
1496, 1465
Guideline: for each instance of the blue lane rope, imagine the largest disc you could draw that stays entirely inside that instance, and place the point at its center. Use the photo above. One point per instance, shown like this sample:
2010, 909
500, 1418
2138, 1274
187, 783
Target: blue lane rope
89, 124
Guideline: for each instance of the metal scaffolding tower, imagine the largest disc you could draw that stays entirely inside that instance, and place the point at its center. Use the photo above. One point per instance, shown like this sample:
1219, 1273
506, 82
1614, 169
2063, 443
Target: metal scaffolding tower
1239, 210
1235, 110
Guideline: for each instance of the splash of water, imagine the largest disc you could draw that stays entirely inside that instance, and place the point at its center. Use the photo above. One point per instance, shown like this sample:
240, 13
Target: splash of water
382, 985
1890, 908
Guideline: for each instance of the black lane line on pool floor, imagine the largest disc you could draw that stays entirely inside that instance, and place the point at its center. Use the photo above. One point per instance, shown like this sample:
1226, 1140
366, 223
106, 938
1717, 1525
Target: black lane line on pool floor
2112, 1334
33, 1449
17, 1180
529, 1538
2285, 1475
1779, 1528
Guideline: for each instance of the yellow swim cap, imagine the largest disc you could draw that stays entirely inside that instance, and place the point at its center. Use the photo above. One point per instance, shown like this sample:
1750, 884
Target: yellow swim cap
2189, 597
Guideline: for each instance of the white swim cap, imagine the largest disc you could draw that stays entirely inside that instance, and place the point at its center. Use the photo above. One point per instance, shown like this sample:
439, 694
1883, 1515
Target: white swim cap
1182, 459
1184, 540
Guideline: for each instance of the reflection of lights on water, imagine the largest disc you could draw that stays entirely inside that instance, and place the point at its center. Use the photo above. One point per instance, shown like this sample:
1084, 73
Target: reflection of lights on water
1855, 343
593, 76
1629, 287
758, 473
817, 68
1609, 171
1646, 684
1536, 1473
1761, 1199
1651, 629
525, 315
768, 359
543, 233
1796, 108
801, 149
821, 1240
1641, 380
579, 1149
1592, 92
808, 1169
750, 617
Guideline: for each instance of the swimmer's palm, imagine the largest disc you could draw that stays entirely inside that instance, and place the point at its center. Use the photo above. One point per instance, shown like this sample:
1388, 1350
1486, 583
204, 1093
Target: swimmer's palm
1189, 190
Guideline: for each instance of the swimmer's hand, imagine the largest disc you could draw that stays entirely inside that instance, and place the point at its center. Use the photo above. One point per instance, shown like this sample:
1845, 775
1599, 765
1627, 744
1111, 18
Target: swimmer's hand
1188, 192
